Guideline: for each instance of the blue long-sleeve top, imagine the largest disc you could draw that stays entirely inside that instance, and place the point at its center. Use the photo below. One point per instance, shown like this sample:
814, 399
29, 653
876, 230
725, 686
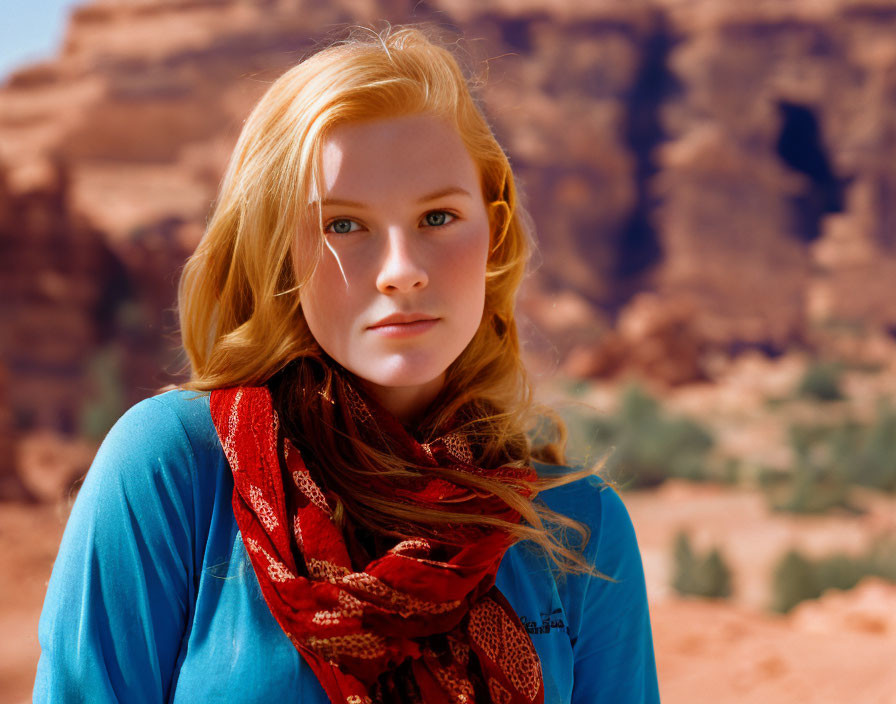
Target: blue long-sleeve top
153, 598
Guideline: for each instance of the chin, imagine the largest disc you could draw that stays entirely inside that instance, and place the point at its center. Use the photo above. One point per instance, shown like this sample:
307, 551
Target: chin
400, 380
401, 373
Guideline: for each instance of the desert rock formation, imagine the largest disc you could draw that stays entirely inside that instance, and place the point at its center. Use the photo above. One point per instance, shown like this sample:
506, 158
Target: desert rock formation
736, 160
60, 284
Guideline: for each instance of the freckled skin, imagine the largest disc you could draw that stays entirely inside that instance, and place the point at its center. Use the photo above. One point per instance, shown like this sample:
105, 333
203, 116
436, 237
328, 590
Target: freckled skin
394, 254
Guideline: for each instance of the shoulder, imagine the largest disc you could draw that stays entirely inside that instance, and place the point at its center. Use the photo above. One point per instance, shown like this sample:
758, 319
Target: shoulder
584, 625
155, 483
158, 442
591, 501
172, 413
126, 576
611, 545
176, 420
610, 607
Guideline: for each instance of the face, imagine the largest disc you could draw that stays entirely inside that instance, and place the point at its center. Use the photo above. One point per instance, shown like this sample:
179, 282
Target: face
400, 289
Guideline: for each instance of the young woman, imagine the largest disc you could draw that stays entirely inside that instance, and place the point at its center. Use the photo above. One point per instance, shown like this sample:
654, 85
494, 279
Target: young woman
344, 501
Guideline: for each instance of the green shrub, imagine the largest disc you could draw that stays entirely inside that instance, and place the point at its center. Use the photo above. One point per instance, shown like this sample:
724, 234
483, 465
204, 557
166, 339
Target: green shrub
106, 400
808, 494
872, 462
829, 459
793, 581
705, 576
646, 445
821, 381
817, 482
797, 578
732, 468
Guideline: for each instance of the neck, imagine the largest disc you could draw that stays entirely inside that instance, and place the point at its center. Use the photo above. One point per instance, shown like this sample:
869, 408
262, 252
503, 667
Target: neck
406, 403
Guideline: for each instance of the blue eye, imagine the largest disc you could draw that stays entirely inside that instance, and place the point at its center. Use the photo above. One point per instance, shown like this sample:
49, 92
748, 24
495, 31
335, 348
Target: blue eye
342, 226
437, 218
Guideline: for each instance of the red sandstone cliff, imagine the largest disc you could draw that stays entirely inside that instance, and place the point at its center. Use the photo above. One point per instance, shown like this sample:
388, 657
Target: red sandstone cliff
736, 160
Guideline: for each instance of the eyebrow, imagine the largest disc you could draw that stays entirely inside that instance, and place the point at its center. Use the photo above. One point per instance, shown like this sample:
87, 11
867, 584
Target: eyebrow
450, 191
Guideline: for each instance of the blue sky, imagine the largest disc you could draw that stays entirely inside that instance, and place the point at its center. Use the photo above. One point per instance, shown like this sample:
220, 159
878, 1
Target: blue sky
31, 30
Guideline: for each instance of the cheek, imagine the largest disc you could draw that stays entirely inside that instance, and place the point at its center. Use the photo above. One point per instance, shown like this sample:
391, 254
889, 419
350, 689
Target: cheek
469, 262
466, 267
326, 304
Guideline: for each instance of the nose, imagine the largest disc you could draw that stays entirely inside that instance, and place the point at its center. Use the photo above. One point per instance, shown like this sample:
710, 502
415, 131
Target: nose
402, 267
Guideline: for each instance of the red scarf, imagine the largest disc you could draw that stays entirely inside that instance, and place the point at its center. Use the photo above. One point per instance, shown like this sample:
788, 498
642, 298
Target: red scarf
409, 627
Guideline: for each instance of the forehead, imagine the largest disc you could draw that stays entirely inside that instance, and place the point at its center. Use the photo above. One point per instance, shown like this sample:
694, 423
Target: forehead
409, 155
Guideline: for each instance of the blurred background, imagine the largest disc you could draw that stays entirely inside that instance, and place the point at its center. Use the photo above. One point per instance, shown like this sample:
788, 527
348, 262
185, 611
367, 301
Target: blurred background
713, 186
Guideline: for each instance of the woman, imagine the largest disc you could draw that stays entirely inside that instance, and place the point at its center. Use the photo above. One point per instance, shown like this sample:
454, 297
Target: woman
341, 503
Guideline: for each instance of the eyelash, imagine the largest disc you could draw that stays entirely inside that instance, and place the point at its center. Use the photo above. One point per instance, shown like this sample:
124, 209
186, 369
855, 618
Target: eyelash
329, 224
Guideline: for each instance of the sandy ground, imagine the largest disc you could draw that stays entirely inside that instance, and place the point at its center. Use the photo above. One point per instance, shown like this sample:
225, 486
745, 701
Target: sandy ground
29, 539
710, 653
751, 537
839, 648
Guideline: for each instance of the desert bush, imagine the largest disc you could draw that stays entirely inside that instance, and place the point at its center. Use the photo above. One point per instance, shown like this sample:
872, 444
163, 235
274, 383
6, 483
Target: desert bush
829, 459
817, 481
793, 581
106, 399
646, 444
822, 382
798, 578
872, 459
695, 575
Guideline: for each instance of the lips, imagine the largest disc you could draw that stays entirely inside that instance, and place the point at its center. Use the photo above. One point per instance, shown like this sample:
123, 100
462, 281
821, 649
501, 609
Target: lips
403, 319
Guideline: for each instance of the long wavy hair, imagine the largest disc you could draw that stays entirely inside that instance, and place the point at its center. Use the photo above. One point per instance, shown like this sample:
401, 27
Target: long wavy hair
239, 296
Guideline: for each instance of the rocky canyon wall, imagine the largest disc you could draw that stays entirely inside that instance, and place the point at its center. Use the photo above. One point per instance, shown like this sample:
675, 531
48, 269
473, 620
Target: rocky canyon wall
735, 161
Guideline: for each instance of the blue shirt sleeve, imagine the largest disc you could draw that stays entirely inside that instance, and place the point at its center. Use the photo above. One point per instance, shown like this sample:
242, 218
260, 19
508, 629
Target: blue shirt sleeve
123, 583
613, 648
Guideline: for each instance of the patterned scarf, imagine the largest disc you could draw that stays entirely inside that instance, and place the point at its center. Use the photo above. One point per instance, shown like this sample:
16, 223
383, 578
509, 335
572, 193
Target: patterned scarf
423, 622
